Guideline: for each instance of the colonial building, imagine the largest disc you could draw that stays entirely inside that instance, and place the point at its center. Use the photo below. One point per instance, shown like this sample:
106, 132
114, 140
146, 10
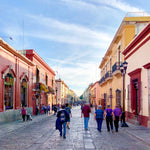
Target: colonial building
95, 93
111, 82
62, 92
137, 54
43, 80
15, 83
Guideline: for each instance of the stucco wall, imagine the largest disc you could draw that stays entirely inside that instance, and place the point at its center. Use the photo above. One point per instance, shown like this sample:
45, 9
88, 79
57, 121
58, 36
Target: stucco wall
138, 60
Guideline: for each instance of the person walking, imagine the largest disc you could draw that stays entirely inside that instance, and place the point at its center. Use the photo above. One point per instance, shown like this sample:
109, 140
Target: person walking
109, 118
62, 118
99, 115
23, 112
70, 114
117, 114
86, 110
48, 109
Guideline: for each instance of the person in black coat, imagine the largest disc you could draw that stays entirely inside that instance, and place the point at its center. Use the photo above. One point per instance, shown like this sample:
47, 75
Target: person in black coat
62, 118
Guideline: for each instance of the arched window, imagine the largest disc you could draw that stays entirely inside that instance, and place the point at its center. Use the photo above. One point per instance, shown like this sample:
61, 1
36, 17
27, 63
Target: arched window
24, 92
8, 91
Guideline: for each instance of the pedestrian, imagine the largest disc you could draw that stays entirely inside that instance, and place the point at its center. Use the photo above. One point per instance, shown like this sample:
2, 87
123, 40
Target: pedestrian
55, 109
62, 118
81, 107
117, 115
23, 112
109, 118
86, 110
48, 109
70, 114
37, 109
99, 115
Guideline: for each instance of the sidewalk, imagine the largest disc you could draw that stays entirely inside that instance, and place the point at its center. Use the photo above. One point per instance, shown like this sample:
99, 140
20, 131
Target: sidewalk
139, 132
7, 128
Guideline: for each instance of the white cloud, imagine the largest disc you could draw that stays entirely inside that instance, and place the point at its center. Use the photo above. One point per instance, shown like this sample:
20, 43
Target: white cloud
58, 31
79, 4
119, 4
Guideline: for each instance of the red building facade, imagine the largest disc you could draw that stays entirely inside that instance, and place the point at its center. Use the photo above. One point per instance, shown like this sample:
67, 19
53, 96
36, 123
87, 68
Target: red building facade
43, 81
15, 82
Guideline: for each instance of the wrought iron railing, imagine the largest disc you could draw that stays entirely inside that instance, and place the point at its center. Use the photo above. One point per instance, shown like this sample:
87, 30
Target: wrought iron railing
102, 80
116, 67
108, 74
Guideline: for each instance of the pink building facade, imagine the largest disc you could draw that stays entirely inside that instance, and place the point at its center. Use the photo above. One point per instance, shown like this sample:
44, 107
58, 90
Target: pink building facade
95, 93
15, 83
137, 54
43, 81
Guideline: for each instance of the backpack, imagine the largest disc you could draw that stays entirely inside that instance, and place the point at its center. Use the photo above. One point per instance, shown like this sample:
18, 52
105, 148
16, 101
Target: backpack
62, 117
68, 110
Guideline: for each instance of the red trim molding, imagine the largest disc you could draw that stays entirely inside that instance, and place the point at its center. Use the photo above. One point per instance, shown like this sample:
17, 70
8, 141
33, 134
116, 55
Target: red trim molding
8, 67
24, 75
147, 66
138, 47
135, 72
137, 40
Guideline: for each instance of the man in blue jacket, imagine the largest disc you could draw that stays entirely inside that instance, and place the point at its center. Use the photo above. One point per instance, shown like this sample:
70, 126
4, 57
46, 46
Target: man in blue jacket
62, 118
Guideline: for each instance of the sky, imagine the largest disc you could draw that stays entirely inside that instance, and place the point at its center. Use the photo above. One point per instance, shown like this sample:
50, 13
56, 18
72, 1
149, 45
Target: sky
71, 36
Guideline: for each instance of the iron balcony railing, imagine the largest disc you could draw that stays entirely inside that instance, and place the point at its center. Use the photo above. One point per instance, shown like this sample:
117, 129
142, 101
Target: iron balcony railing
116, 67
102, 80
108, 75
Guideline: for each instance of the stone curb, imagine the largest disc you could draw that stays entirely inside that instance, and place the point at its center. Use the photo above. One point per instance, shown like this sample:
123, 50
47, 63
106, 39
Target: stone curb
136, 136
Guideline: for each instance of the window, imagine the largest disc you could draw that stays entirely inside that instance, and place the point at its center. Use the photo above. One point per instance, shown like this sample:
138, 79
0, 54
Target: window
24, 86
8, 91
37, 76
119, 54
118, 97
110, 64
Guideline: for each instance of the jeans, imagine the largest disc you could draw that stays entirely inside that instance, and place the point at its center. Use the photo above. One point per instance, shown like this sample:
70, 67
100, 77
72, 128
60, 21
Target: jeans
86, 121
99, 123
64, 129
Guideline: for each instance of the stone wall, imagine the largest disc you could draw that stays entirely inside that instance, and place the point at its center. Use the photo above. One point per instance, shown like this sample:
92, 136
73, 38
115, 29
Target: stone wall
13, 115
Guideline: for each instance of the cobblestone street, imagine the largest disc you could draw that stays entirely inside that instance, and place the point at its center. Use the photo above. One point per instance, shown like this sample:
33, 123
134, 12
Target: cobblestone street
41, 135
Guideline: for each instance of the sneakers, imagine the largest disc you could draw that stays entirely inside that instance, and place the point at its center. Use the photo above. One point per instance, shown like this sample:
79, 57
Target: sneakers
64, 136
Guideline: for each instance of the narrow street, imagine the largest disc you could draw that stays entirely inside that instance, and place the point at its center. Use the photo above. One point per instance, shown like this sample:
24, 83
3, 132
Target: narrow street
42, 135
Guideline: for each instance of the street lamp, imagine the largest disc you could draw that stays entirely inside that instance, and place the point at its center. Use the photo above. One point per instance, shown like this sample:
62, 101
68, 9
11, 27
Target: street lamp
123, 68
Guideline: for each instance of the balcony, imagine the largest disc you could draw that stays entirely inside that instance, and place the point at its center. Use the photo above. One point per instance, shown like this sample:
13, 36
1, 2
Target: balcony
116, 68
108, 75
102, 80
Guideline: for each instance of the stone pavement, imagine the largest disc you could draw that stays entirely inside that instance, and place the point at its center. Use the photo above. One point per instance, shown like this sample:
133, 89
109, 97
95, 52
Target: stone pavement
7, 128
41, 134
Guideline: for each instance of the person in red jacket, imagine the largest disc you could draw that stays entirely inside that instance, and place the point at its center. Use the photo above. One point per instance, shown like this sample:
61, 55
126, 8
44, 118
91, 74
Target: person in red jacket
86, 110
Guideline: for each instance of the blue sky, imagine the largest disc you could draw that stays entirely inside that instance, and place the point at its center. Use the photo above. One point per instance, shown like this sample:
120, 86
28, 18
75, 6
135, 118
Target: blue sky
71, 36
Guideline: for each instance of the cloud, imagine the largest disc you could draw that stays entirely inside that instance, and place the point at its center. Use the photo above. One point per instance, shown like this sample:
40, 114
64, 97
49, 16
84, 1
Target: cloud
95, 4
119, 4
80, 4
51, 29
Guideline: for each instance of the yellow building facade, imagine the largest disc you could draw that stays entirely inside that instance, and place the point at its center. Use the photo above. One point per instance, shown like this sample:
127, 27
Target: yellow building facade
111, 81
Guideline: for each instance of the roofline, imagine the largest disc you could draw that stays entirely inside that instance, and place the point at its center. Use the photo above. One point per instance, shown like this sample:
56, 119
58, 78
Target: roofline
16, 53
37, 57
137, 39
126, 19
